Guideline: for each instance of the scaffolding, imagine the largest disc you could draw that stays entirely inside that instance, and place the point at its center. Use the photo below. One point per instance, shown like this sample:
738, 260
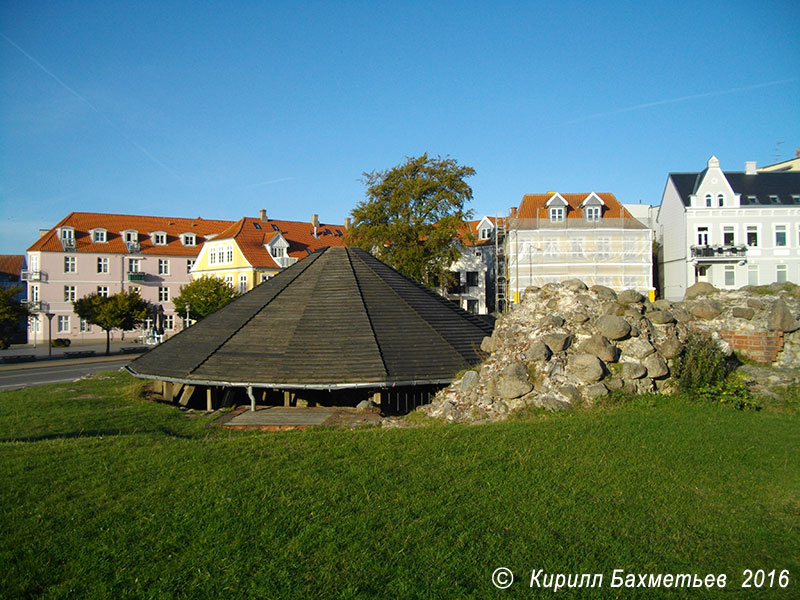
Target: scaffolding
500, 265
616, 253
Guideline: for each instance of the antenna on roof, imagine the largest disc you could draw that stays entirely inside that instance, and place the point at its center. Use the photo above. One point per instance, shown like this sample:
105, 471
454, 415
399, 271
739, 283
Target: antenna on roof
778, 151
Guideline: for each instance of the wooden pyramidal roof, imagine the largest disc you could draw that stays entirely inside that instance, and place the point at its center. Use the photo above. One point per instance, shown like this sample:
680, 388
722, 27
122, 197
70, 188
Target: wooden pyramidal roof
340, 318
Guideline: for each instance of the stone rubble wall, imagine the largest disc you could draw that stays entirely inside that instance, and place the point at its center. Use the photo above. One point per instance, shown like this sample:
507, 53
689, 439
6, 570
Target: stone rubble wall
566, 345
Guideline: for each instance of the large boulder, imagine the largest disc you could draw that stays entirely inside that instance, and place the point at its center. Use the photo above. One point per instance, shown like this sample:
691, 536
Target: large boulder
469, 380
557, 342
629, 297
743, 312
781, 319
701, 288
656, 368
613, 327
576, 285
606, 293
599, 346
660, 317
538, 351
585, 367
638, 348
513, 381
633, 370
706, 309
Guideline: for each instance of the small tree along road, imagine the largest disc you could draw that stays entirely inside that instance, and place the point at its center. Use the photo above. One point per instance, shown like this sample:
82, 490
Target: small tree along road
412, 214
203, 296
123, 311
12, 315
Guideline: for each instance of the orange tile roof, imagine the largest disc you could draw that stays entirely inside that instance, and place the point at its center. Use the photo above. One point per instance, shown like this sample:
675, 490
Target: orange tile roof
251, 234
472, 227
533, 206
114, 224
11, 265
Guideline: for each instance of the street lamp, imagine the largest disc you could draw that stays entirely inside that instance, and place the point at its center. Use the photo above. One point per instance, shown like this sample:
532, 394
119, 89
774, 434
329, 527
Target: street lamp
49, 333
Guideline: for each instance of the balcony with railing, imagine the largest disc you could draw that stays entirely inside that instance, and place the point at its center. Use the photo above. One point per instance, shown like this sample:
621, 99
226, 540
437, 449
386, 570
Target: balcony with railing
68, 244
133, 247
36, 305
136, 276
27, 275
717, 253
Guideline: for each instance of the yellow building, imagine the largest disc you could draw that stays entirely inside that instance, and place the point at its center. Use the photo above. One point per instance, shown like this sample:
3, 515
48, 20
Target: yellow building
254, 249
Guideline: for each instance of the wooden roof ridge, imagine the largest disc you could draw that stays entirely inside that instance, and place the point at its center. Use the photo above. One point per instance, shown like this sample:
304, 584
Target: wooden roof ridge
366, 311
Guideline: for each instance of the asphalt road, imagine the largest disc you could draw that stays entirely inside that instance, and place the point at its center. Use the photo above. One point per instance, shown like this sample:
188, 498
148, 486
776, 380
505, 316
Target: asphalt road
57, 371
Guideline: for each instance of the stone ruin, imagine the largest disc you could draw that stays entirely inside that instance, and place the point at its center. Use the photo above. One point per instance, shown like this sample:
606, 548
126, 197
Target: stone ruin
566, 345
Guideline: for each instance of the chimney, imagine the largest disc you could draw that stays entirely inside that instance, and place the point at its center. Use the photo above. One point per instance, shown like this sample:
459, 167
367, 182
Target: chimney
749, 167
42, 232
315, 222
797, 152
262, 214
347, 223
513, 212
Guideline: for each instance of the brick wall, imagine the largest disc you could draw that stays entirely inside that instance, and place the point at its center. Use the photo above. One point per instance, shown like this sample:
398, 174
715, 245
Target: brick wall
761, 346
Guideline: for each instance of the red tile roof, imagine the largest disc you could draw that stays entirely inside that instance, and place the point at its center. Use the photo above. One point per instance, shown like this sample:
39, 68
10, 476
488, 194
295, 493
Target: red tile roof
472, 227
251, 234
114, 225
533, 206
11, 265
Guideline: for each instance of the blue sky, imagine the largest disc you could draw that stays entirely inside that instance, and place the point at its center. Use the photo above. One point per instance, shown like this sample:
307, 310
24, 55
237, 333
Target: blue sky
220, 109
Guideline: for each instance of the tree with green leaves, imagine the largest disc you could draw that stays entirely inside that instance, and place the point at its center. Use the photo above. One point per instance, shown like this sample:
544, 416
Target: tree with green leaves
12, 315
123, 311
411, 215
203, 296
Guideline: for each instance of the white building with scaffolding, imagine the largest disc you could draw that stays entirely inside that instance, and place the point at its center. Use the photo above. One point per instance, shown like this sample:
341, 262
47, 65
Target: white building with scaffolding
592, 237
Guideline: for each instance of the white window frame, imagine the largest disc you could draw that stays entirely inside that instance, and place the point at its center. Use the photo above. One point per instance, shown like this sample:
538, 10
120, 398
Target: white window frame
159, 238
730, 270
163, 266
169, 322
102, 290
484, 233
102, 265
592, 213
34, 293
131, 236
242, 283
707, 229
212, 255
784, 229
99, 236
134, 265
229, 280
709, 200
69, 293
189, 239
84, 326
229, 254
66, 233
556, 214
189, 264
720, 200
163, 293
62, 324
70, 265
752, 229
732, 230
781, 270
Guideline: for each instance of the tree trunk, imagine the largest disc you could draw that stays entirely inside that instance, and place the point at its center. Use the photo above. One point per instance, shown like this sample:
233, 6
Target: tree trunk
108, 342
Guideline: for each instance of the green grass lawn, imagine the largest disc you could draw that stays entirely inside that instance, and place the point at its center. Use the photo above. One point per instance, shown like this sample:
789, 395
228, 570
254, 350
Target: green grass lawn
107, 495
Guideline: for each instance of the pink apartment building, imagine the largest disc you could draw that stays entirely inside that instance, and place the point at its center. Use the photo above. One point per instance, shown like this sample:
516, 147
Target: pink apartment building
103, 253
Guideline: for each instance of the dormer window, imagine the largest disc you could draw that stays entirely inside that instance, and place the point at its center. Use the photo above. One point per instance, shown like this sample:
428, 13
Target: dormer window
130, 236
99, 236
774, 199
277, 252
592, 213
159, 238
556, 214
484, 233
66, 233
188, 239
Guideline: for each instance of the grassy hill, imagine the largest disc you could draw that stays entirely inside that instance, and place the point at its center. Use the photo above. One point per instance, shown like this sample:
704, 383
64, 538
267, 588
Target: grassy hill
107, 495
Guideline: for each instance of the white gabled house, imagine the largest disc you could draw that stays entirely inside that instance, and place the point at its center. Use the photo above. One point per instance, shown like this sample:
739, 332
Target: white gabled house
729, 229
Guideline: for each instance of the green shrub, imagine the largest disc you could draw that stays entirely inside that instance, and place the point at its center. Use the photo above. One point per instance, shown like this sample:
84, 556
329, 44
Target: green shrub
732, 391
702, 364
60, 343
